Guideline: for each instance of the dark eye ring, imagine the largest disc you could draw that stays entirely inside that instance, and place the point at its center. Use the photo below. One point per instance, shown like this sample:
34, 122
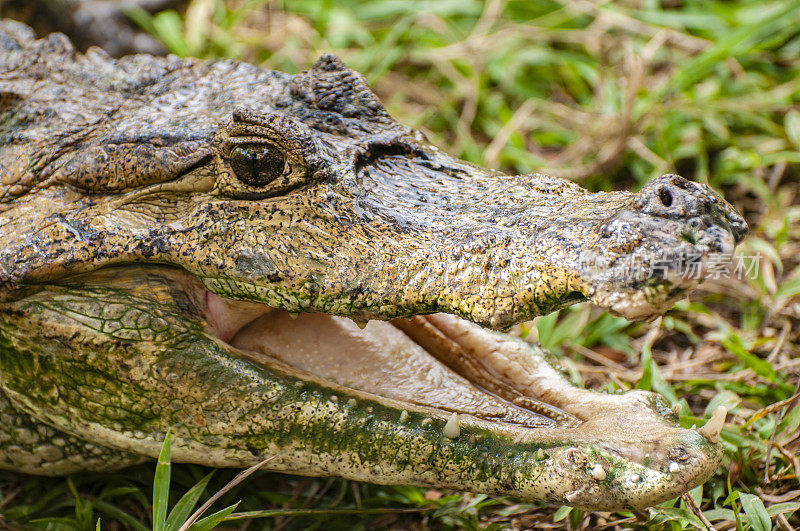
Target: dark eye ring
257, 165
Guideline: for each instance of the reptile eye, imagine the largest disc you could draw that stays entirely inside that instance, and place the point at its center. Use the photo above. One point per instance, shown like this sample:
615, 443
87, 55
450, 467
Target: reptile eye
257, 165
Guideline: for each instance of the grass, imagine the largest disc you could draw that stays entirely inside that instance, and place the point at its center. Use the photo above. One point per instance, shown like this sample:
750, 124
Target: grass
609, 94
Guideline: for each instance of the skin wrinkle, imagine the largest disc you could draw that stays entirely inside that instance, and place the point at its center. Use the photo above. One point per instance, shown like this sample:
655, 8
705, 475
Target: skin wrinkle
125, 280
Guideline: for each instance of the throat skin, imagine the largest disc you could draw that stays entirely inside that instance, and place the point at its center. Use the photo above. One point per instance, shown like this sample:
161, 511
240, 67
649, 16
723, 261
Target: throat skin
143, 360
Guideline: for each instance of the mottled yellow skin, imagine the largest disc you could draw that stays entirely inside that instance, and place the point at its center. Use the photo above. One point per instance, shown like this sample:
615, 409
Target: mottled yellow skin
128, 187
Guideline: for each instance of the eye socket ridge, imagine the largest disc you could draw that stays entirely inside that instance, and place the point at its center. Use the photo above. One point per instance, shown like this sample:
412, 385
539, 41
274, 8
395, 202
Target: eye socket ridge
257, 164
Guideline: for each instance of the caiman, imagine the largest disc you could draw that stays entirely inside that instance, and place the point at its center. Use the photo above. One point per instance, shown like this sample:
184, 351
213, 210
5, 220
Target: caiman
268, 264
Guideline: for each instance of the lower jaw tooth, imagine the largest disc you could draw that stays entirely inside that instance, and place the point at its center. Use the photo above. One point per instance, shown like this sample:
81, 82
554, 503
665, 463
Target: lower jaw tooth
713, 427
540, 454
573, 496
598, 472
452, 429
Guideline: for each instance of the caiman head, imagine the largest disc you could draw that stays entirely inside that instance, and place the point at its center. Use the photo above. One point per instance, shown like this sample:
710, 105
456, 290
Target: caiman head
270, 265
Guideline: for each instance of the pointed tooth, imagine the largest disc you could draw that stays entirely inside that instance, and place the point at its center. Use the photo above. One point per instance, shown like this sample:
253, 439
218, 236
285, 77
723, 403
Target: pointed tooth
361, 323
714, 425
676, 410
452, 429
598, 472
575, 495
294, 315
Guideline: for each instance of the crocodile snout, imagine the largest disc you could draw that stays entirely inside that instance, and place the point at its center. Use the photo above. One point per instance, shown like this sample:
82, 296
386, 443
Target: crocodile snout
673, 197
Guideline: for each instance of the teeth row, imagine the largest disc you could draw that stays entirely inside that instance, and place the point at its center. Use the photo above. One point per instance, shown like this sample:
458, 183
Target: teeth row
360, 322
452, 430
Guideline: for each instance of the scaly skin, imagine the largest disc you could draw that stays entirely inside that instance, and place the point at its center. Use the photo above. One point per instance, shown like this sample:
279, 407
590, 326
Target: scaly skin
138, 240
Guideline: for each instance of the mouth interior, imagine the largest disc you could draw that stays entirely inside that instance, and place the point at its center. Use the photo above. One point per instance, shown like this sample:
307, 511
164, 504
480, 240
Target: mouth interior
422, 361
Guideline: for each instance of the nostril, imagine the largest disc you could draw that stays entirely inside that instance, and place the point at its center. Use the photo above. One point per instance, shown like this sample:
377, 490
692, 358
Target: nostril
665, 196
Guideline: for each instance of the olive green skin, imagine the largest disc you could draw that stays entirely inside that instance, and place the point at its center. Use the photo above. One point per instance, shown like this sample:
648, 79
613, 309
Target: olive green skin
126, 165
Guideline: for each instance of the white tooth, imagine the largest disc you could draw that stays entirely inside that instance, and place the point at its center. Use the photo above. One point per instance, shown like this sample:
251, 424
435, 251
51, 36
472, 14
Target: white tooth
673, 467
452, 430
352, 402
635, 478
598, 472
574, 496
403, 417
333, 398
540, 454
294, 315
714, 425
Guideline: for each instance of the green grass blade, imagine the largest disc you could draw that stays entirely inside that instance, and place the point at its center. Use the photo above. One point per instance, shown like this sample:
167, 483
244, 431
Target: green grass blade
184, 507
142, 18
211, 521
169, 30
129, 521
756, 512
761, 367
738, 41
161, 485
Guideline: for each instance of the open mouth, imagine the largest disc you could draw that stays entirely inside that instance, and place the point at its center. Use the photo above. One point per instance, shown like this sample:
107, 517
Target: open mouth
409, 360
453, 369
430, 400
435, 362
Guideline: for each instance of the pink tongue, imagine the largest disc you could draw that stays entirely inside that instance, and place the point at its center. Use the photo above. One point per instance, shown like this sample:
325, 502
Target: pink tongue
379, 359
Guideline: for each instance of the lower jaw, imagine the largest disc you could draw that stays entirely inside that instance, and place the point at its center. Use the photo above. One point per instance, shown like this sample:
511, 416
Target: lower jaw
463, 385
235, 406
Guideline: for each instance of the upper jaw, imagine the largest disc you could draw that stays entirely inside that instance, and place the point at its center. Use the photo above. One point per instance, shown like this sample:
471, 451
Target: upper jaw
496, 250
